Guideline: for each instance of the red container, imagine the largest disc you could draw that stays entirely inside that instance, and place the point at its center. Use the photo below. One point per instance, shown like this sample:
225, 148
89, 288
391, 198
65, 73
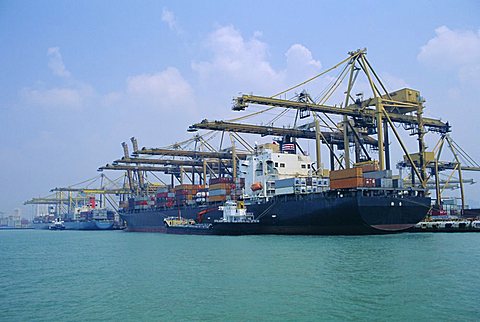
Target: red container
368, 182
221, 180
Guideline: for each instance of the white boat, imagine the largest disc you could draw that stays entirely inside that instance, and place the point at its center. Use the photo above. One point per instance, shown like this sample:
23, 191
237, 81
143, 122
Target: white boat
57, 225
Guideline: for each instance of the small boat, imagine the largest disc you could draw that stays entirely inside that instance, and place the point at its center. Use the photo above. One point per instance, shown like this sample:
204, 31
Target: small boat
57, 225
235, 221
179, 225
450, 225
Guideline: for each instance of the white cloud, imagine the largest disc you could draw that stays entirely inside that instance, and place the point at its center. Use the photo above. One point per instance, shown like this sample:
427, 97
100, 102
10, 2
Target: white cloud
166, 90
56, 62
300, 56
244, 64
237, 59
457, 50
300, 64
59, 97
450, 47
169, 18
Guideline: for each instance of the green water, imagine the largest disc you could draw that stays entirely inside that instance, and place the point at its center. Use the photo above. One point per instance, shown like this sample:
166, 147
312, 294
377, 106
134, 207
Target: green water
119, 276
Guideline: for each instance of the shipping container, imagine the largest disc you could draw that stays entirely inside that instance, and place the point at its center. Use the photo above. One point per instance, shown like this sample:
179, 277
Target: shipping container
346, 174
346, 183
378, 174
284, 190
369, 182
219, 192
397, 183
163, 189
282, 183
217, 186
384, 183
368, 166
323, 182
217, 198
189, 187
220, 180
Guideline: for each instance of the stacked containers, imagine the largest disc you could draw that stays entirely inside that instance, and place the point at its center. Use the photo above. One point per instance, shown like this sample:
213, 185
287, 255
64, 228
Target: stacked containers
163, 198
185, 194
300, 185
220, 189
323, 184
144, 202
347, 178
383, 179
368, 166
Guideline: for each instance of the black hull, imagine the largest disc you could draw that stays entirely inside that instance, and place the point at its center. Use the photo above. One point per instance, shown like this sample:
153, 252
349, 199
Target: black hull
350, 213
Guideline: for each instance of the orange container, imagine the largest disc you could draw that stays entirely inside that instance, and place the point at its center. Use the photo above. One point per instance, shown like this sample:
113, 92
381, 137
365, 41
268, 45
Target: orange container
217, 198
368, 166
189, 187
219, 186
346, 173
346, 183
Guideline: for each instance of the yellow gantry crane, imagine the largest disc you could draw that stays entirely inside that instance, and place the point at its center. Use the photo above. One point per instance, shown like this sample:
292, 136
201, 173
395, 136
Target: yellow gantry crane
364, 124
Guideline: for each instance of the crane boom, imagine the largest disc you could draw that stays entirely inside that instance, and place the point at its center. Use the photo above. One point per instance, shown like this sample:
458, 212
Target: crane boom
352, 110
330, 137
148, 168
191, 154
168, 162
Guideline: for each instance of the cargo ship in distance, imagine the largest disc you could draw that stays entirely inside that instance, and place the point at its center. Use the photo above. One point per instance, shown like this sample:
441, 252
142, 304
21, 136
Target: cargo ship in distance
85, 217
285, 190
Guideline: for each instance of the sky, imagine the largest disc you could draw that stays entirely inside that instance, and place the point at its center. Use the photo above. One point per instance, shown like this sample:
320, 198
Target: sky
80, 77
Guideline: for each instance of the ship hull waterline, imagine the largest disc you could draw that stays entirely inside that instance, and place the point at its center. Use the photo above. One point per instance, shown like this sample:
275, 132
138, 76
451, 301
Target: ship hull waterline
312, 214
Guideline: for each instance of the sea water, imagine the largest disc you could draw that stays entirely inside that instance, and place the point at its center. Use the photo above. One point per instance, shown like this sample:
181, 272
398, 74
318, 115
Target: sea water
121, 276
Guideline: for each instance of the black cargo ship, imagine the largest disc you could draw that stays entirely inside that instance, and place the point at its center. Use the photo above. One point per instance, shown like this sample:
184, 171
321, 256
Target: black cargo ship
288, 193
349, 211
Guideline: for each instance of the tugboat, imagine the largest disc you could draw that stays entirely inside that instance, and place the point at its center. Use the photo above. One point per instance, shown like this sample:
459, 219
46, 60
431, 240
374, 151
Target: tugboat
180, 225
57, 225
235, 221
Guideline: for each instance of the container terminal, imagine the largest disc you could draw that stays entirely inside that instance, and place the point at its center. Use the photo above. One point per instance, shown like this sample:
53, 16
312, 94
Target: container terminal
88, 205
282, 188
218, 182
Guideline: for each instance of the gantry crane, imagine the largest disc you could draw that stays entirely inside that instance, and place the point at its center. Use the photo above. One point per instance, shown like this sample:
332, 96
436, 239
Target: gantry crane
360, 119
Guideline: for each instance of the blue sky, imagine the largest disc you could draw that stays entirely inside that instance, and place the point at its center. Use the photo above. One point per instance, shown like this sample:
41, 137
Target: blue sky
80, 77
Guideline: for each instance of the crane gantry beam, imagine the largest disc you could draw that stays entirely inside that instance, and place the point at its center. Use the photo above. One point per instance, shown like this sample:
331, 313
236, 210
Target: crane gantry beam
330, 137
191, 154
352, 110
92, 190
170, 162
167, 170
51, 201
442, 165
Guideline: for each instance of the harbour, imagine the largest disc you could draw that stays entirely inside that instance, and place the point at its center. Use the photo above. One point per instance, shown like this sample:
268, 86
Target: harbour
283, 188
431, 276
239, 161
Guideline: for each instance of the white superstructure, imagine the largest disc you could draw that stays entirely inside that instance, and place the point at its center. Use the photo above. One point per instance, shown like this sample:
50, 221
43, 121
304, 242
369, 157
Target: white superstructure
265, 166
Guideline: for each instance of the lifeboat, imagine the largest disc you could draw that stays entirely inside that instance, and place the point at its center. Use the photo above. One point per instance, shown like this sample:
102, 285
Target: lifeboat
256, 186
